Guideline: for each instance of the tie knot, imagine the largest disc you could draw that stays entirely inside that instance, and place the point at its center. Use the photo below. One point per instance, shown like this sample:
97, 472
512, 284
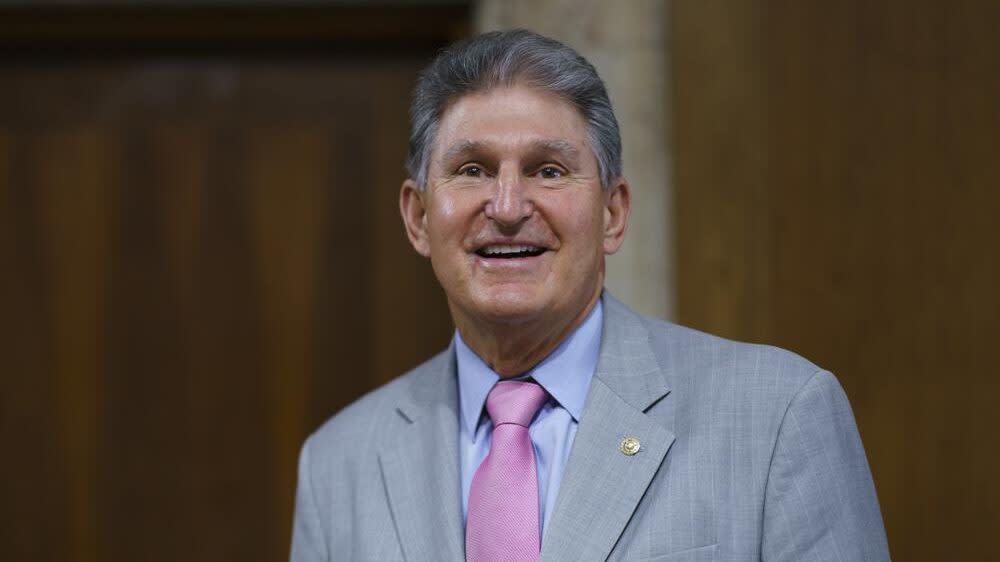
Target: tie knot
515, 402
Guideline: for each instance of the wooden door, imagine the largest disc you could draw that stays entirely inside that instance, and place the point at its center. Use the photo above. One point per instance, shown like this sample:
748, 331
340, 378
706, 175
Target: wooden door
837, 179
202, 260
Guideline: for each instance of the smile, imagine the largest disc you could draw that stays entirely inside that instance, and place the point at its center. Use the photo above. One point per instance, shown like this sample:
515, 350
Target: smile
504, 251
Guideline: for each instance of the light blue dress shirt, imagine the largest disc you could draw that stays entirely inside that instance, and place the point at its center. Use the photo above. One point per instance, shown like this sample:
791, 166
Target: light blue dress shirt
565, 374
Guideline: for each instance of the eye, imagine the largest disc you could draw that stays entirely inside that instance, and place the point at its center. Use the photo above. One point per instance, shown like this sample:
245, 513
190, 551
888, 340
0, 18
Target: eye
550, 172
471, 171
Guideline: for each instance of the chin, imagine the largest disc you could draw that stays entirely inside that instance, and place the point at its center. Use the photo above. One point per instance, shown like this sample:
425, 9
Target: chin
511, 304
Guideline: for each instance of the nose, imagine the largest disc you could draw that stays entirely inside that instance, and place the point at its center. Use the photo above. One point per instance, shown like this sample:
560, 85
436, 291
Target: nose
510, 203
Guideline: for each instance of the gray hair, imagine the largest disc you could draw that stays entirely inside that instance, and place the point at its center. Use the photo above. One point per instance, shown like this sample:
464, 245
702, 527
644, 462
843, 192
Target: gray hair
505, 58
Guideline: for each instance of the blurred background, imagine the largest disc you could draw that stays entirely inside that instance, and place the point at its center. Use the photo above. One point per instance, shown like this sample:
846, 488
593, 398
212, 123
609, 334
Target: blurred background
201, 257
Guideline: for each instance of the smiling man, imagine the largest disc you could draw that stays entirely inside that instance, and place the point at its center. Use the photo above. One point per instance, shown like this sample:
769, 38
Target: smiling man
560, 425
515, 222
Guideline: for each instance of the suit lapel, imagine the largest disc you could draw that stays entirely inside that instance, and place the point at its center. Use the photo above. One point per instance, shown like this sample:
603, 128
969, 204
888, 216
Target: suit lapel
420, 466
602, 486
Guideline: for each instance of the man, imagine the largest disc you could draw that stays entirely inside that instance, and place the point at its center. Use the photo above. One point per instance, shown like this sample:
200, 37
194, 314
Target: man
560, 424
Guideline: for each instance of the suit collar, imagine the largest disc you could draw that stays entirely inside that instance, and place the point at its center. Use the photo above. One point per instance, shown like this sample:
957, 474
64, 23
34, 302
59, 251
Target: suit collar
627, 363
627, 383
420, 465
431, 386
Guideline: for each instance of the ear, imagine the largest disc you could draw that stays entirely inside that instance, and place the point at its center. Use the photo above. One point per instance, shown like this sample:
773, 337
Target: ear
617, 206
411, 207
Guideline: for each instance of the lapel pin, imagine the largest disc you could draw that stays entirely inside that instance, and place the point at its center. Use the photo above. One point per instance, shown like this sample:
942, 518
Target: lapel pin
630, 446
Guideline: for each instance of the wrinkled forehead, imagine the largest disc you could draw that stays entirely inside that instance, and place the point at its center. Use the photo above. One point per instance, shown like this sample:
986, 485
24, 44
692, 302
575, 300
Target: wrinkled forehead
510, 118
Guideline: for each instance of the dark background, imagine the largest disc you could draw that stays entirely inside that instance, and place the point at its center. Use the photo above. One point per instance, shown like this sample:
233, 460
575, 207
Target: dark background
201, 258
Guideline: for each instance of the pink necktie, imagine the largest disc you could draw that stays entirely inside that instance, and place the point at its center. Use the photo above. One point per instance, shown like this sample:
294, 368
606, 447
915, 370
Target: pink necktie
502, 522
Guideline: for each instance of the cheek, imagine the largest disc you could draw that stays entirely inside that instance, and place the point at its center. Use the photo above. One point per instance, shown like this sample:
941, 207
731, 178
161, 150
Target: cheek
585, 223
452, 216
442, 225
448, 207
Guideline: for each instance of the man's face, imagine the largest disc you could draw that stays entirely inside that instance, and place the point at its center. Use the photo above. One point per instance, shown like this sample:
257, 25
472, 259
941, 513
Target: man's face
513, 217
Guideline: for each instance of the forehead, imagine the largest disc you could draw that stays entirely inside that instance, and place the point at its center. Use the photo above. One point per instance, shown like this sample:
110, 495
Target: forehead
515, 117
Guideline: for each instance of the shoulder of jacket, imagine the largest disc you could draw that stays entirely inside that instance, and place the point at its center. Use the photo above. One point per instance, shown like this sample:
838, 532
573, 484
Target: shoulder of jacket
370, 418
686, 352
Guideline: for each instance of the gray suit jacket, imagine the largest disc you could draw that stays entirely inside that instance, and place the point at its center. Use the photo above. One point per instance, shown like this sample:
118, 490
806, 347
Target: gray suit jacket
747, 453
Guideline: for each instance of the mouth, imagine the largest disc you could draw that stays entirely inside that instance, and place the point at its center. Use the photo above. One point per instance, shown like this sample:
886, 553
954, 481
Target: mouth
510, 251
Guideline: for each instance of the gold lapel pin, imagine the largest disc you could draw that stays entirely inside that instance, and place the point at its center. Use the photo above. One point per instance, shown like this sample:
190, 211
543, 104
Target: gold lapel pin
630, 446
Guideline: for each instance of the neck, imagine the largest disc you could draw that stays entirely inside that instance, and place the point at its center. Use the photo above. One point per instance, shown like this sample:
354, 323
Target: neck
512, 349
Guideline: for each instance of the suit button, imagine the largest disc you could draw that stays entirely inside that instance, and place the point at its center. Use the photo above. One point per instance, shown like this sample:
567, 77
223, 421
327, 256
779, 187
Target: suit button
629, 446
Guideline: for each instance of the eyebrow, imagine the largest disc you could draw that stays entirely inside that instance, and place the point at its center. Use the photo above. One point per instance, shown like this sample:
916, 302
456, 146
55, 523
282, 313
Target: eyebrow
545, 145
556, 145
460, 147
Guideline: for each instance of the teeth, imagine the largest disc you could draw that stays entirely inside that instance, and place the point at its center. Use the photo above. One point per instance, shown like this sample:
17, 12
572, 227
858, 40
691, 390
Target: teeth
500, 250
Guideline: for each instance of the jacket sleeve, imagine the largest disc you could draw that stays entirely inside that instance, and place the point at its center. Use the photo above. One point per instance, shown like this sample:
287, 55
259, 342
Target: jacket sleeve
308, 544
820, 501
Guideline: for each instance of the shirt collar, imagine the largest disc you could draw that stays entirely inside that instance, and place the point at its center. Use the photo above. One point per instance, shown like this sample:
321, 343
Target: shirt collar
565, 373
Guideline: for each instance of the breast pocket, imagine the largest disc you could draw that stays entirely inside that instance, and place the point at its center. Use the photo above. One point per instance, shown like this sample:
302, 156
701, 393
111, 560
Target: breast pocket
700, 554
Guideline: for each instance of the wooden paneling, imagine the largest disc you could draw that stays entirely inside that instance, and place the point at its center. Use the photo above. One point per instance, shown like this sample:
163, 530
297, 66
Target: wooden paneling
288, 229
73, 187
836, 176
392, 278
271, 26
202, 261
